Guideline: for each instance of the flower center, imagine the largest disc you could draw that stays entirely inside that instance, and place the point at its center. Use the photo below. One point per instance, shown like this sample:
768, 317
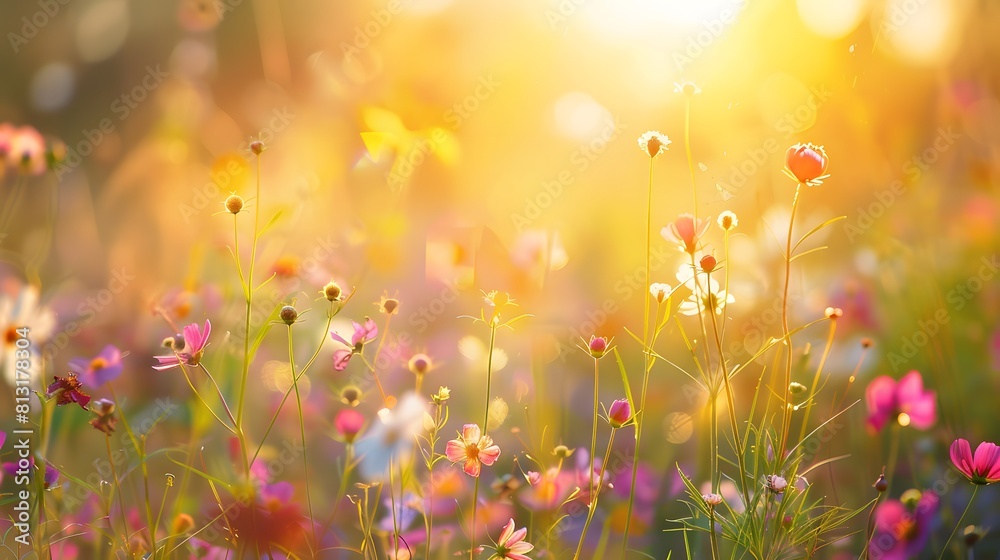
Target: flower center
472, 451
98, 363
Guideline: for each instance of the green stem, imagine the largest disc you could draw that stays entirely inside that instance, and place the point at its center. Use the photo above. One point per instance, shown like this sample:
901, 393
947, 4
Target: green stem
593, 438
646, 362
711, 528
486, 420
786, 335
115, 487
302, 433
597, 492
975, 488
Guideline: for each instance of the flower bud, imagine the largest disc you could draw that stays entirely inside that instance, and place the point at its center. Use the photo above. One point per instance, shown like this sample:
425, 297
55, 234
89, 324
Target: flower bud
348, 424
182, 524
288, 314
332, 291
653, 143
257, 147
796, 388
619, 413
712, 500
834, 312
708, 263
776, 484
419, 364
234, 203
441, 396
881, 484
806, 162
728, 220
562, 452
971, 535
350, 395
598, 346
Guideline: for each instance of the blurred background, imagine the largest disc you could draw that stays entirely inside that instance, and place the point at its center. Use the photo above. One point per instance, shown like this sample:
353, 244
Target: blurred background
430, 149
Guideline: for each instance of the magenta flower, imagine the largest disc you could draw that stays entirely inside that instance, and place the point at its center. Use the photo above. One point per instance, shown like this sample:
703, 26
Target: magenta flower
906, 401
685, 232
363, 334
100, 369
195, 341
620, 413
349, 423
981, 468
901, 532
68, 390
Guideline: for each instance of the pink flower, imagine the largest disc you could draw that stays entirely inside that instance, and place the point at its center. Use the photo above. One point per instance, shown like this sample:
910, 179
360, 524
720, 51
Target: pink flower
349, 423
511, 543
26, 151
473, 448
901, 532
619, 413
363, 334
807, 163
195, 341
906, 400
100, 369
983, 468
685, 232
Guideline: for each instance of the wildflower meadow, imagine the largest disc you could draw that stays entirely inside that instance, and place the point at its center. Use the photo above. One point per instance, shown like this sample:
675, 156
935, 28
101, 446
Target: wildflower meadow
554, 279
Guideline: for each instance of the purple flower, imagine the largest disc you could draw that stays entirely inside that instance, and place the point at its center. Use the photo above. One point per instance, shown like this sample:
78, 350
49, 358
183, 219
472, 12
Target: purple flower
905, 401
195, 341
100, 369
363, 334
901, 532
51, 474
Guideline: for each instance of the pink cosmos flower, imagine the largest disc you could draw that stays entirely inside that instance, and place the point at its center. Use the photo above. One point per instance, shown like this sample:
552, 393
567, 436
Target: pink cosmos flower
981, 468
100, 369
363, 334
685, 232
907, 401
901, 532
473, 448
511, 543
195, 341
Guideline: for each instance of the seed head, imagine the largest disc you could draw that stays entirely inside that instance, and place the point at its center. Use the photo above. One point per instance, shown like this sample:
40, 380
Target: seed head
257, 147
419, 364
234, 203
288, 314
332, 291
562, 452
350, 395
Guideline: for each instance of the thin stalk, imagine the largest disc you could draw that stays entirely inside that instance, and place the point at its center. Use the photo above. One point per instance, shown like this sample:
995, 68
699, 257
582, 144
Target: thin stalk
486, 420
116, 486
731, 403
869, 528
711, 528
288, 392
819, 372
786, 335
593, 439
597, 492
302, 433
646, 362
975, 488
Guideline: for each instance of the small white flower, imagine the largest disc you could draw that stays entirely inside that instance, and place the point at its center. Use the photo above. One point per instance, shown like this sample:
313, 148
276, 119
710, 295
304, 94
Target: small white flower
705, 293
659, 291
686, 87
712, 499
653, 143
728, 220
